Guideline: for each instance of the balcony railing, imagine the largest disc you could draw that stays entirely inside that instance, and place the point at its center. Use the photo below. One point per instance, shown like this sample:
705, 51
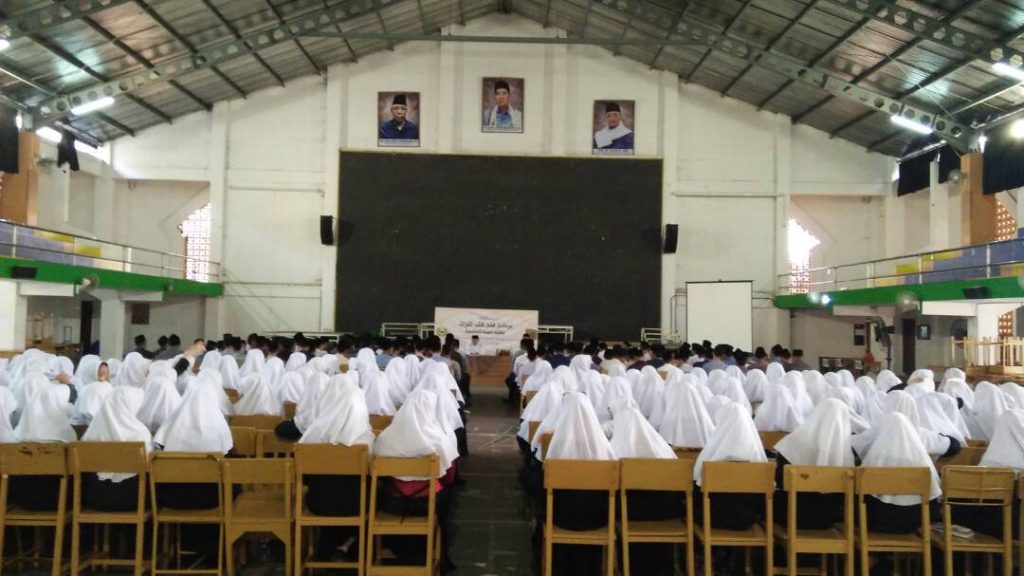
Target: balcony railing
993, 260
32, 243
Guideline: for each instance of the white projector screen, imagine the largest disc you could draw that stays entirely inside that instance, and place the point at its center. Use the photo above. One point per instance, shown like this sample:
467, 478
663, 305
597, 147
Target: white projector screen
721, 312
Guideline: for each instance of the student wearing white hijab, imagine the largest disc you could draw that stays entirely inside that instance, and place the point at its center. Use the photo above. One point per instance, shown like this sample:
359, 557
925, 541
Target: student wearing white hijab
649, 391
211, 360
86, 373
822, 440
778, 412
92, 396
633, 436
253, 363
160, 400
307, 409
934, 410
540, 375
775, 371
935, 443
546, 401
732, 389
858, 424
1006, 448
617, 390
886, 380
197, 426
816, 386
989, 404
1014, 394
400, 375
953, 374
734, 440
898, 445
45, 419
754, 384
593, 385
794, 382
375, 384
292, 385
921, 382
116, 422
229, 372
296, 361
258, 399
132, 371
687, 423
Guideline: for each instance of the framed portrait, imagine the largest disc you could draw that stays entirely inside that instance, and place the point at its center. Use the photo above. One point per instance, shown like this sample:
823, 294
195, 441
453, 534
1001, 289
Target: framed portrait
504, 105
398, 119
613, 127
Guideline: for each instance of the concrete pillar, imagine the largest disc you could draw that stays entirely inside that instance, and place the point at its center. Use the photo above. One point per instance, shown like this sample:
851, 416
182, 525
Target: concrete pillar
938, 209
13, 317
783, 163
978, 210
335, 138
449, 101
220, 124
668, 149
556, 82
895, 226
113, 316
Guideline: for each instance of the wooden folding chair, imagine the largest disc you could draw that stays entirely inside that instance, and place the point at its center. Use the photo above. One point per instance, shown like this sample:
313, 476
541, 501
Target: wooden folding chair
737, 478
545, 442
378, 422
894, 481
836, 540
257, 421
27, 459
596, 475
116, 457
330, 460
244, 441
263, 512
977, 487
185, 468
770, 439
268, 445
289, 410
667, 475
386, 524
232, 394
967, 456
524, 399
977, 443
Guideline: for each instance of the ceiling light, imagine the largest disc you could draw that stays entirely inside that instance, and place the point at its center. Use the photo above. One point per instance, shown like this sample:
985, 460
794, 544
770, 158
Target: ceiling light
1017, 129
826, 299
982, 141
1007, 70
92, 106
50, 134
910, 124
19, 121
4, 44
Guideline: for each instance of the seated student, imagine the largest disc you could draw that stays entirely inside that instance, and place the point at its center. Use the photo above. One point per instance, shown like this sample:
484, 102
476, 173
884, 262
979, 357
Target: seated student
160, 399
418, 430
259, 398
735, 440
346, 421
92, 395
308, 406
935, 443
778, 412
686, 423
374, 382
822, 440
1005, 450
115, 422
46, 418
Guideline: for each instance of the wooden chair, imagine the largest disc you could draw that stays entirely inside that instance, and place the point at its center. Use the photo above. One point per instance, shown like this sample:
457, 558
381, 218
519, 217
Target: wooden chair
894, 481
737, 478
268, 445
524, 399
289, 410
232, 394
378, 422
386, 524
686, 453
977, 442
185, 468
29, 459
978, 487
258, 511
770, 439
836, 540
331, 460
662, 475
596, 475
545, 442
117, 457
531, 429
244, 440
257, 421
967, 456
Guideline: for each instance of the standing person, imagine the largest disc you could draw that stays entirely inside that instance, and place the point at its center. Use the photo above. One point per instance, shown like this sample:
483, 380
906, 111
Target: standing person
798, 362
457, 356
173, 348
140, 347
161, 346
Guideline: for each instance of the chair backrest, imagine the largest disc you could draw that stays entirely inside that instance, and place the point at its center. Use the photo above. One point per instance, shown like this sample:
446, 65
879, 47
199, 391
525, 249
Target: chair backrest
581, 474
967, 456
289, 410
770, 439
738, 477
185, 467
977, 485
531, 427
379, 422
545, 442
894, 481
331, 459
686, 453
262, 472
121, 457
31, 459
820, 479
232, 394
244, 440
257, 421
423, 466
665, 474
977, 442
269, 444
527, 396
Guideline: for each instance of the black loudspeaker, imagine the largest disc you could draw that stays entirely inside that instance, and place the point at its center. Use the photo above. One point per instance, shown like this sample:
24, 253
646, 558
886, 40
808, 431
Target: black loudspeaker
23, 272
671, 238
976, 292
8, 141
327, 230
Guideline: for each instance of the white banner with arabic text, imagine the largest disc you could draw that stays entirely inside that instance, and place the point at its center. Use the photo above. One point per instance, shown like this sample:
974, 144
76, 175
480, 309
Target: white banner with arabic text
497, 329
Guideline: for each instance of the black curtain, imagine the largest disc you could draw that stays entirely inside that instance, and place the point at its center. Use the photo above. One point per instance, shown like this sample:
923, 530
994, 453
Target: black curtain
914, 172
1003, 162
8, 140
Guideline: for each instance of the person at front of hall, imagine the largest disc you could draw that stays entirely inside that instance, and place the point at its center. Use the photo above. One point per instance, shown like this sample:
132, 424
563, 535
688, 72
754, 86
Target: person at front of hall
615, 135
399, 127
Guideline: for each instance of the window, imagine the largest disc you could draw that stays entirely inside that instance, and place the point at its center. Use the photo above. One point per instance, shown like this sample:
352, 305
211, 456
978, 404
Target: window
801, 242
1006, 229
196, 231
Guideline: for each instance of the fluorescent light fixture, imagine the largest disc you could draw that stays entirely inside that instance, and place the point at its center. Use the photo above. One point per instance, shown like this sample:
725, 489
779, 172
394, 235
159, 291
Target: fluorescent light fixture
826, 299
47, 133
910, 124
4, 44
982, 141
1007, 70
1017, 128
92, 106
19, 121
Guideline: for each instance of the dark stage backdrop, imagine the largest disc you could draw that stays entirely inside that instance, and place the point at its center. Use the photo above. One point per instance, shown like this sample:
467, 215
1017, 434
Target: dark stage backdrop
578, 239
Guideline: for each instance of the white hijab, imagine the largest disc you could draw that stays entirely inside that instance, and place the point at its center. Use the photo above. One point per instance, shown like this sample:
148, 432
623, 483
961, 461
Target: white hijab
375, 385
160, 400
934, 412
822, 440
634, 437
815, 384
296, 361
617, 390
775, 372
578, 435
898, 445
229, 372
7, 408
90, 400
292, 386
734, 440
755, 385
46, 417
580, 365
400, 375
132, 371
593, 386
960, 389
546, 401
1014, 394
416, 431
989, 404
211, 360
116, 422
87, 371
649, 391
259, 398
253, 364
346, 421
1006, 448
794, 382
539, 377
886, 380
308, 407
197, 426
687, 423
732, 389
778, 412
211, 379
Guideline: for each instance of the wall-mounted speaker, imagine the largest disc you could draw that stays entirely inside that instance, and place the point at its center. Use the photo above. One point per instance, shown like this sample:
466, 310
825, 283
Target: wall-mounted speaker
327, 230
23, 272
976, 293
671, 238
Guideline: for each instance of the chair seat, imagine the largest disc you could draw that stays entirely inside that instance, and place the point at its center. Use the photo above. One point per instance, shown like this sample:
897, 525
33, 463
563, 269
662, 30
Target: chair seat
566, 536
644, 529
756, 535
105, 517
16, 514
389, 524
827, 541
880, 542
201, 516
307, 518
976, 543
258, 509
395, 570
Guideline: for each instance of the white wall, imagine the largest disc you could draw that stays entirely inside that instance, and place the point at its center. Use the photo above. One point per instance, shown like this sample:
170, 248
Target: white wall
271, 163
181, 316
